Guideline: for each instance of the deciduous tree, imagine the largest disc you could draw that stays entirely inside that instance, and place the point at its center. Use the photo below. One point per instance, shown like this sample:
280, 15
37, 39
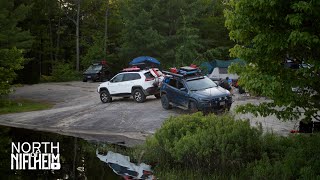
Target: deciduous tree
266, 33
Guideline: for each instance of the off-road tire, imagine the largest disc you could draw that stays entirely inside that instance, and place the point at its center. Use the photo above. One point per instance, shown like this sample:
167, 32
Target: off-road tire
138, 95
165, 102
193, 107
105, 96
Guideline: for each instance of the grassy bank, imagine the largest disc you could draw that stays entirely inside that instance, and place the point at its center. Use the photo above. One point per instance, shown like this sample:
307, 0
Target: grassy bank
23, 105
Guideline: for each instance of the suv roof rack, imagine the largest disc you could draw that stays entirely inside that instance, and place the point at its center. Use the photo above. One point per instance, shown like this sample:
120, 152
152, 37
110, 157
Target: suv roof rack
131, 69
184, 72
173, 74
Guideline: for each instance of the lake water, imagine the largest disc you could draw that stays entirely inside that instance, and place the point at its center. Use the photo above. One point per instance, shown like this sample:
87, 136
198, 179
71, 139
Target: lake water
77, 157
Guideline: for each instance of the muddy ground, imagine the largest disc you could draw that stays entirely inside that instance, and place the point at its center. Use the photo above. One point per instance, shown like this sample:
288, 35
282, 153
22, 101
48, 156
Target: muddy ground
78, 111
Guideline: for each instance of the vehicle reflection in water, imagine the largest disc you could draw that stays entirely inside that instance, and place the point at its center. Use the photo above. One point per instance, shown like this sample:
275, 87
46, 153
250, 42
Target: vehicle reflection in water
122, 166
77, 157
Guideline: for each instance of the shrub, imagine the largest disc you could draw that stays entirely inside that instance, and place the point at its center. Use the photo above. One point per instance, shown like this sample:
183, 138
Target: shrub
299, 160
209, 142
45, 78
221, 147
64, 72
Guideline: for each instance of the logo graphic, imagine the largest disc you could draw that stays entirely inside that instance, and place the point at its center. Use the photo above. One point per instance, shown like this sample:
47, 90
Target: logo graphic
35, 156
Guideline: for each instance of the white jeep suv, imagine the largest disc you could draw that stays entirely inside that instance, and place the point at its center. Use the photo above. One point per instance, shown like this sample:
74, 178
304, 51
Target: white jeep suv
139, 84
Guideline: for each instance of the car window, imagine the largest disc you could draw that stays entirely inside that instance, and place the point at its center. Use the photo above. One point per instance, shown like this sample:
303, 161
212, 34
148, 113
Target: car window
95, 67
200, 84
173, 82
180, 85
148, 75
131, 76
118, 78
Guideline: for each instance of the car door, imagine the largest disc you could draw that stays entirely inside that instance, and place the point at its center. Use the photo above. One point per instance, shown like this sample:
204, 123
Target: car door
116, 85
171, 90
182, 94
130, 79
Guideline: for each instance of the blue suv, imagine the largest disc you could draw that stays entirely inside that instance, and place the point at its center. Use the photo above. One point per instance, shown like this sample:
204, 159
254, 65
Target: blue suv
188, 89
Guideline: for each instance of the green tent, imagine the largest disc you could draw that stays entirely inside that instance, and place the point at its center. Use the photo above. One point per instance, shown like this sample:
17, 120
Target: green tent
208, 67
226, 63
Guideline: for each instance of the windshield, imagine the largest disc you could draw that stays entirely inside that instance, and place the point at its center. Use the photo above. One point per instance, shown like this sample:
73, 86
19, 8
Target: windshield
95, 68
200, 84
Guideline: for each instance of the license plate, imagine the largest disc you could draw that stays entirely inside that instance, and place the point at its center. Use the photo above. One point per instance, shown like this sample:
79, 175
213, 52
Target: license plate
222, 103
88, 76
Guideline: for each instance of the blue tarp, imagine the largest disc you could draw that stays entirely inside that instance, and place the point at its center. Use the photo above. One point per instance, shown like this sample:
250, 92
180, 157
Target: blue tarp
144, 59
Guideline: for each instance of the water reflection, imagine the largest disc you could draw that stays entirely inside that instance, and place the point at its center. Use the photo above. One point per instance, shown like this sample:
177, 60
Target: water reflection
77, 157
122, 166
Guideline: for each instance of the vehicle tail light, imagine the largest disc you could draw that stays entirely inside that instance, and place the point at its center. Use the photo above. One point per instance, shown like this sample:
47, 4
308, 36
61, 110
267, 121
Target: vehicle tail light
149, 79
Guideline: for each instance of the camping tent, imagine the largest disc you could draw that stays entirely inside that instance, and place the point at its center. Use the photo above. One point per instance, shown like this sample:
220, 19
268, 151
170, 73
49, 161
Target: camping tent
219, 68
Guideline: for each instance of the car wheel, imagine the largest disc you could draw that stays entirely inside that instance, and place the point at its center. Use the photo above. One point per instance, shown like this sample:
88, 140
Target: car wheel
84, 80
157, 96
193, 107
105, 96
139, 96
165, 102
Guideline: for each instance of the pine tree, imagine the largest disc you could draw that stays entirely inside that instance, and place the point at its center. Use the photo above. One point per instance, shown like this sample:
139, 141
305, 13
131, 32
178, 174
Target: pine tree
13, 41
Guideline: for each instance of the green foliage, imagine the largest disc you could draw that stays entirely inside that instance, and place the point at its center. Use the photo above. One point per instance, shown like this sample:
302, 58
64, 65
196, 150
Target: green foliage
11, 60
178, 174
197, 147
175, 32
266, 33
214, 35
64, 72
93, 29
299, 160
95, 53
188, 48
12, 42
210, 142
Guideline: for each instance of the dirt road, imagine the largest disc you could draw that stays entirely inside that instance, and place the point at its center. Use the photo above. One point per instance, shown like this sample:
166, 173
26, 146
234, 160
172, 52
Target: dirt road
79, 112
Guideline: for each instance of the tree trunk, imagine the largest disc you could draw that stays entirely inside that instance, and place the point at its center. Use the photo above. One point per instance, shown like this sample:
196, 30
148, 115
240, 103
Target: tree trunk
58, 40
77, 37
106, 32
57, 49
